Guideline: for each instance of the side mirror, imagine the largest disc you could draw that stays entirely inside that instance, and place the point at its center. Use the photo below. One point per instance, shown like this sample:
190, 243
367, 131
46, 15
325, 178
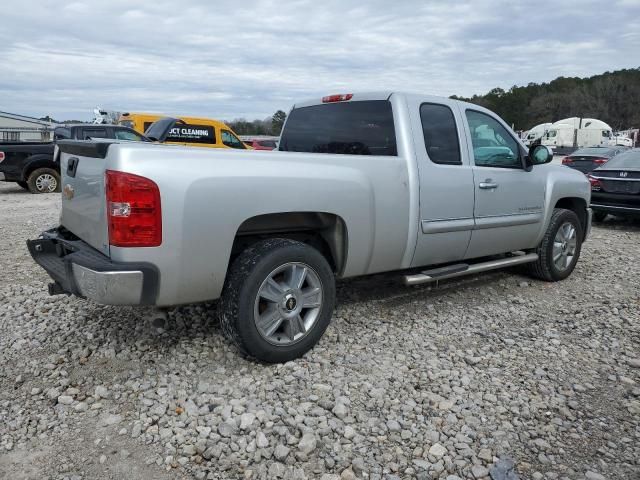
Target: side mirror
539, 155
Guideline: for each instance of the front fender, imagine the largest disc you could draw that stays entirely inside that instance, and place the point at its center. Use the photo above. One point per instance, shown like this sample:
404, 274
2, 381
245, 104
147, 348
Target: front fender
562, 185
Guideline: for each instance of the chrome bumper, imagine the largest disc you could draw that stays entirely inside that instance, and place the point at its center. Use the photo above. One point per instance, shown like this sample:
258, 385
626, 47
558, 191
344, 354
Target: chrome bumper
109, 288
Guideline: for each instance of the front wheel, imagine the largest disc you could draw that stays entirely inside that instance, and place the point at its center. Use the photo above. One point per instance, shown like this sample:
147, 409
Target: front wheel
44, 180
560, 247
278, 300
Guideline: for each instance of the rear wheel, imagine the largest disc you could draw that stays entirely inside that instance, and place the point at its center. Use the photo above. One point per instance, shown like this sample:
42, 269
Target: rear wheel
24, 185
44, 180
599, 215
560, 248
277, 300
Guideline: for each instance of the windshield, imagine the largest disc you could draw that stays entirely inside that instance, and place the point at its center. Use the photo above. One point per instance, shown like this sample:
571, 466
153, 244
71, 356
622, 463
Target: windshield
354, 128
629, 160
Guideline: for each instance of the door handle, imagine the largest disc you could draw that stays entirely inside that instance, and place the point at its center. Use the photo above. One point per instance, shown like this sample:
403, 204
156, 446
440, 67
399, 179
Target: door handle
72, 166
487, 185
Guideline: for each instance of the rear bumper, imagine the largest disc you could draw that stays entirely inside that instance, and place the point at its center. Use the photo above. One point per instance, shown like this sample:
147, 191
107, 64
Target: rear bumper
78, 269
616, 202
616, 208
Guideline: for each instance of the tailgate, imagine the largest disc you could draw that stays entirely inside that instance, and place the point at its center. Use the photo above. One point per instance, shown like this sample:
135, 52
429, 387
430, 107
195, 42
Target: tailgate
82, 167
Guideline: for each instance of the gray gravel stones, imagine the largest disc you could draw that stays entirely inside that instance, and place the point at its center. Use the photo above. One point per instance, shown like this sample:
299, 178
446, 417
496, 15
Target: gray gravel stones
307, 443
424, 382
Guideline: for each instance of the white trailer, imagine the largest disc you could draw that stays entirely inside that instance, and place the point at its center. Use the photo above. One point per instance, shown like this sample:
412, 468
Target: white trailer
569, 134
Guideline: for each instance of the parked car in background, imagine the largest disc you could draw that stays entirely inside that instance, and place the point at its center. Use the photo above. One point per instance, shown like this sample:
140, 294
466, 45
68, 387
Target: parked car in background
429, 187
621, 140
260, 142
615, 187
36, 166
588, 159
190, 131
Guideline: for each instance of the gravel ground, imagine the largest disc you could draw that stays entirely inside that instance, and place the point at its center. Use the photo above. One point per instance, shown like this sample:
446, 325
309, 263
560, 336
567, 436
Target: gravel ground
494, 375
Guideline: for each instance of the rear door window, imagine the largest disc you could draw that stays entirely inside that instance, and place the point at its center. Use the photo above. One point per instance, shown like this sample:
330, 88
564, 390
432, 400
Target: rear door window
440, 134
352, 128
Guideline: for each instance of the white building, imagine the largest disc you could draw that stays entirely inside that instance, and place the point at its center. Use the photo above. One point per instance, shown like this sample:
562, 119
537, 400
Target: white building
20, 128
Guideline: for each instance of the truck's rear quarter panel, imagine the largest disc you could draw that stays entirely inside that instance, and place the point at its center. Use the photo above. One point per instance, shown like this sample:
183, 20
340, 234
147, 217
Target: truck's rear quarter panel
207, 194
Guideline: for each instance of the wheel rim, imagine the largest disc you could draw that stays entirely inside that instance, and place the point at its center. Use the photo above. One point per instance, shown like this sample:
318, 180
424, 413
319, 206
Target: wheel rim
46, 183
565, 244
288, 304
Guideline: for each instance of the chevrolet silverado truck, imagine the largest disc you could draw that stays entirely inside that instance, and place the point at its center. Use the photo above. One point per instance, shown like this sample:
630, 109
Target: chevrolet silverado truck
35, 166
429, 188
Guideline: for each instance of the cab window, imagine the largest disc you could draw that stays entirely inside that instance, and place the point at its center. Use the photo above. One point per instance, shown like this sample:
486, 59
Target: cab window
230, 140
61, 134
89, 133
493, 146
440, 134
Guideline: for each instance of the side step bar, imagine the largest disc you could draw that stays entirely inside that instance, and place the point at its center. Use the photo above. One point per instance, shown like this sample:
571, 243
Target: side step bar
461, 269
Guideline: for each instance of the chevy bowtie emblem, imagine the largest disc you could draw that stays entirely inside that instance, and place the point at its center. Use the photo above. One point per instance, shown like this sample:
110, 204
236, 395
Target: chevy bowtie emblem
623, 174
68, 192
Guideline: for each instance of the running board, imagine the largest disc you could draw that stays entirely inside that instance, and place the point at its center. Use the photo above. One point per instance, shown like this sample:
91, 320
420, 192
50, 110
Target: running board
460, 269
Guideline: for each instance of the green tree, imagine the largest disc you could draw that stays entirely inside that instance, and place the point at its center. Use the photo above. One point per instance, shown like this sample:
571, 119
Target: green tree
613, 97
277, 121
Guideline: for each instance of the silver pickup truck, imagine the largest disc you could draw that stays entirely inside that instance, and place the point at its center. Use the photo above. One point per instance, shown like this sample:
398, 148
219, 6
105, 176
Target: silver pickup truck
427, 187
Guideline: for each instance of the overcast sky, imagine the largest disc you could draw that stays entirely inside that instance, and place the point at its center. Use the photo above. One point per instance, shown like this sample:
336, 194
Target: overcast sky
231, 59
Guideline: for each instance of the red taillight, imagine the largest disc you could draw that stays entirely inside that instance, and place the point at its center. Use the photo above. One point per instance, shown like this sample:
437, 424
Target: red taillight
600, 161
595, 183
567, 160
1, 156
337, 98
133, 210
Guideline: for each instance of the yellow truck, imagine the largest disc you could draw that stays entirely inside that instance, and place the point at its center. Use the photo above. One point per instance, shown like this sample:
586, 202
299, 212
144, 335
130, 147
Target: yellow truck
199, 132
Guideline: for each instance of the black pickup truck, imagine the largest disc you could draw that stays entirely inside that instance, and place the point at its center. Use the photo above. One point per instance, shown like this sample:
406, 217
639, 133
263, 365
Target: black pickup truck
35, 166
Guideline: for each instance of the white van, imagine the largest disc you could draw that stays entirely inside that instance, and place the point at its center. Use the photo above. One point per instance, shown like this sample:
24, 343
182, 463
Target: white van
575, 132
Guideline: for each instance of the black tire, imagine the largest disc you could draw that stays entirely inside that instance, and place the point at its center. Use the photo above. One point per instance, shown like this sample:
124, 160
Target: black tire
599, 215
24, 185
35, 186
544, 268
243, 282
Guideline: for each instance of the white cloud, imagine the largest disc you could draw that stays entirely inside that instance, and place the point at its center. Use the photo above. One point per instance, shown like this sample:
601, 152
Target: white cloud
228, 59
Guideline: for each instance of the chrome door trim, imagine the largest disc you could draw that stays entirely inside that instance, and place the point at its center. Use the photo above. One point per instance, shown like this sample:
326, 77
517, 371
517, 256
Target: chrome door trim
507, 220
448, 225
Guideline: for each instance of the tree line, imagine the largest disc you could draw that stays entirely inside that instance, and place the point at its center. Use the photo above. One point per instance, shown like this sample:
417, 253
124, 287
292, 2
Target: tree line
269, 126
613, 97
